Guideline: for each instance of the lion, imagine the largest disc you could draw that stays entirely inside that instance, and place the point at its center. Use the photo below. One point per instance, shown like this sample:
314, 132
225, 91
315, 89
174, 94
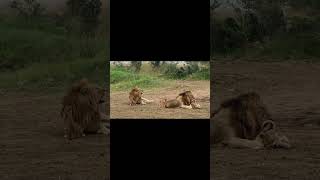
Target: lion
244, 122
135, 97
188, 99
174, 103
82, 110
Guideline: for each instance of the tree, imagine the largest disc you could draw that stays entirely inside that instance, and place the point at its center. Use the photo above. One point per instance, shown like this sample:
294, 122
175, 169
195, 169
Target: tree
88, 12
136, 65
215, 4
270, 14
27, 8
155, 64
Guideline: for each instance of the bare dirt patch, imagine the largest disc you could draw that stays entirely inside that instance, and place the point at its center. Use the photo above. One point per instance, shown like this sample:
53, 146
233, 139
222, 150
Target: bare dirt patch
291, 92
120, 108
32, 143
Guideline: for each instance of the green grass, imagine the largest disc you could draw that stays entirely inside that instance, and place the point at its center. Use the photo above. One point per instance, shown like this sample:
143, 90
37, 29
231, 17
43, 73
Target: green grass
123, 79
203, 74
49, 75
22, 46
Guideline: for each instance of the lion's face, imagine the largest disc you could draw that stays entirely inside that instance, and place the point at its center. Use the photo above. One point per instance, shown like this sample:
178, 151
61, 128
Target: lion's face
271, 138
136, 92
189, 99
246, 117
194, 104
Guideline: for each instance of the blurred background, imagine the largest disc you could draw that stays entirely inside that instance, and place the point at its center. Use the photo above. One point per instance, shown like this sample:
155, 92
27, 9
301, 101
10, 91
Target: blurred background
47, 44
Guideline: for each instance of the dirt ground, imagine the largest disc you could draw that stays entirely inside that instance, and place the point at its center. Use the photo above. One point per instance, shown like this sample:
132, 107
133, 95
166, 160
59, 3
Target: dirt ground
291, 92
32, 145
120, 108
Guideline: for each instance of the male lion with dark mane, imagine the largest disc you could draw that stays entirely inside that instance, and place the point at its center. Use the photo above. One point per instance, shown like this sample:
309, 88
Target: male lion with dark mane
184, 100
244, 122
82, 110
188, 99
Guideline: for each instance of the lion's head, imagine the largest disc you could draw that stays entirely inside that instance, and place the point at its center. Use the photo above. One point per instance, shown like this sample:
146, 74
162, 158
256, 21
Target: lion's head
271, 137
135, 95
188, 99
249, 118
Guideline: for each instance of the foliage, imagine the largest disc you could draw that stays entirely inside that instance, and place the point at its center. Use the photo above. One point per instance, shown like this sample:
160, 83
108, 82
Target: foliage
155, 64
123, 79
264, 28
55, 74
27, 8
42, 53
202, 74
136, 65
21, 46
172, 71
227, 36
88, 11
305, 3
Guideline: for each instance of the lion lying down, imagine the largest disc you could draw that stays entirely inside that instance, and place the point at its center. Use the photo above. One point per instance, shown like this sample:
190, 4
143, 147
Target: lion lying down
82, 110
244, 122
135, 97
184, 100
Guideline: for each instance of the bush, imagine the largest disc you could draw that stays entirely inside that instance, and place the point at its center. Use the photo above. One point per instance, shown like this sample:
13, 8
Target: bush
136, 65
203, 74
27, 8
20, 48
227, 36
120, 74
123, 79
48, 75
155, 64
171, 71
302, 24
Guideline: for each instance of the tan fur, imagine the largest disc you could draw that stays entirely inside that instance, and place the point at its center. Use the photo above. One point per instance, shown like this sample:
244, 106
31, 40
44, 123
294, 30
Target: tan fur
135, 97
188, 99
174, 103
184, 100
82, 111
244, 121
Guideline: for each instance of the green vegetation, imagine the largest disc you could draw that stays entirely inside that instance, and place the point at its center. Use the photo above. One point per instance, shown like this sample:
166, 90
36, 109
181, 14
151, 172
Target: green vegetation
51, 75
150, 76
39, 51
123, 79
268, 30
